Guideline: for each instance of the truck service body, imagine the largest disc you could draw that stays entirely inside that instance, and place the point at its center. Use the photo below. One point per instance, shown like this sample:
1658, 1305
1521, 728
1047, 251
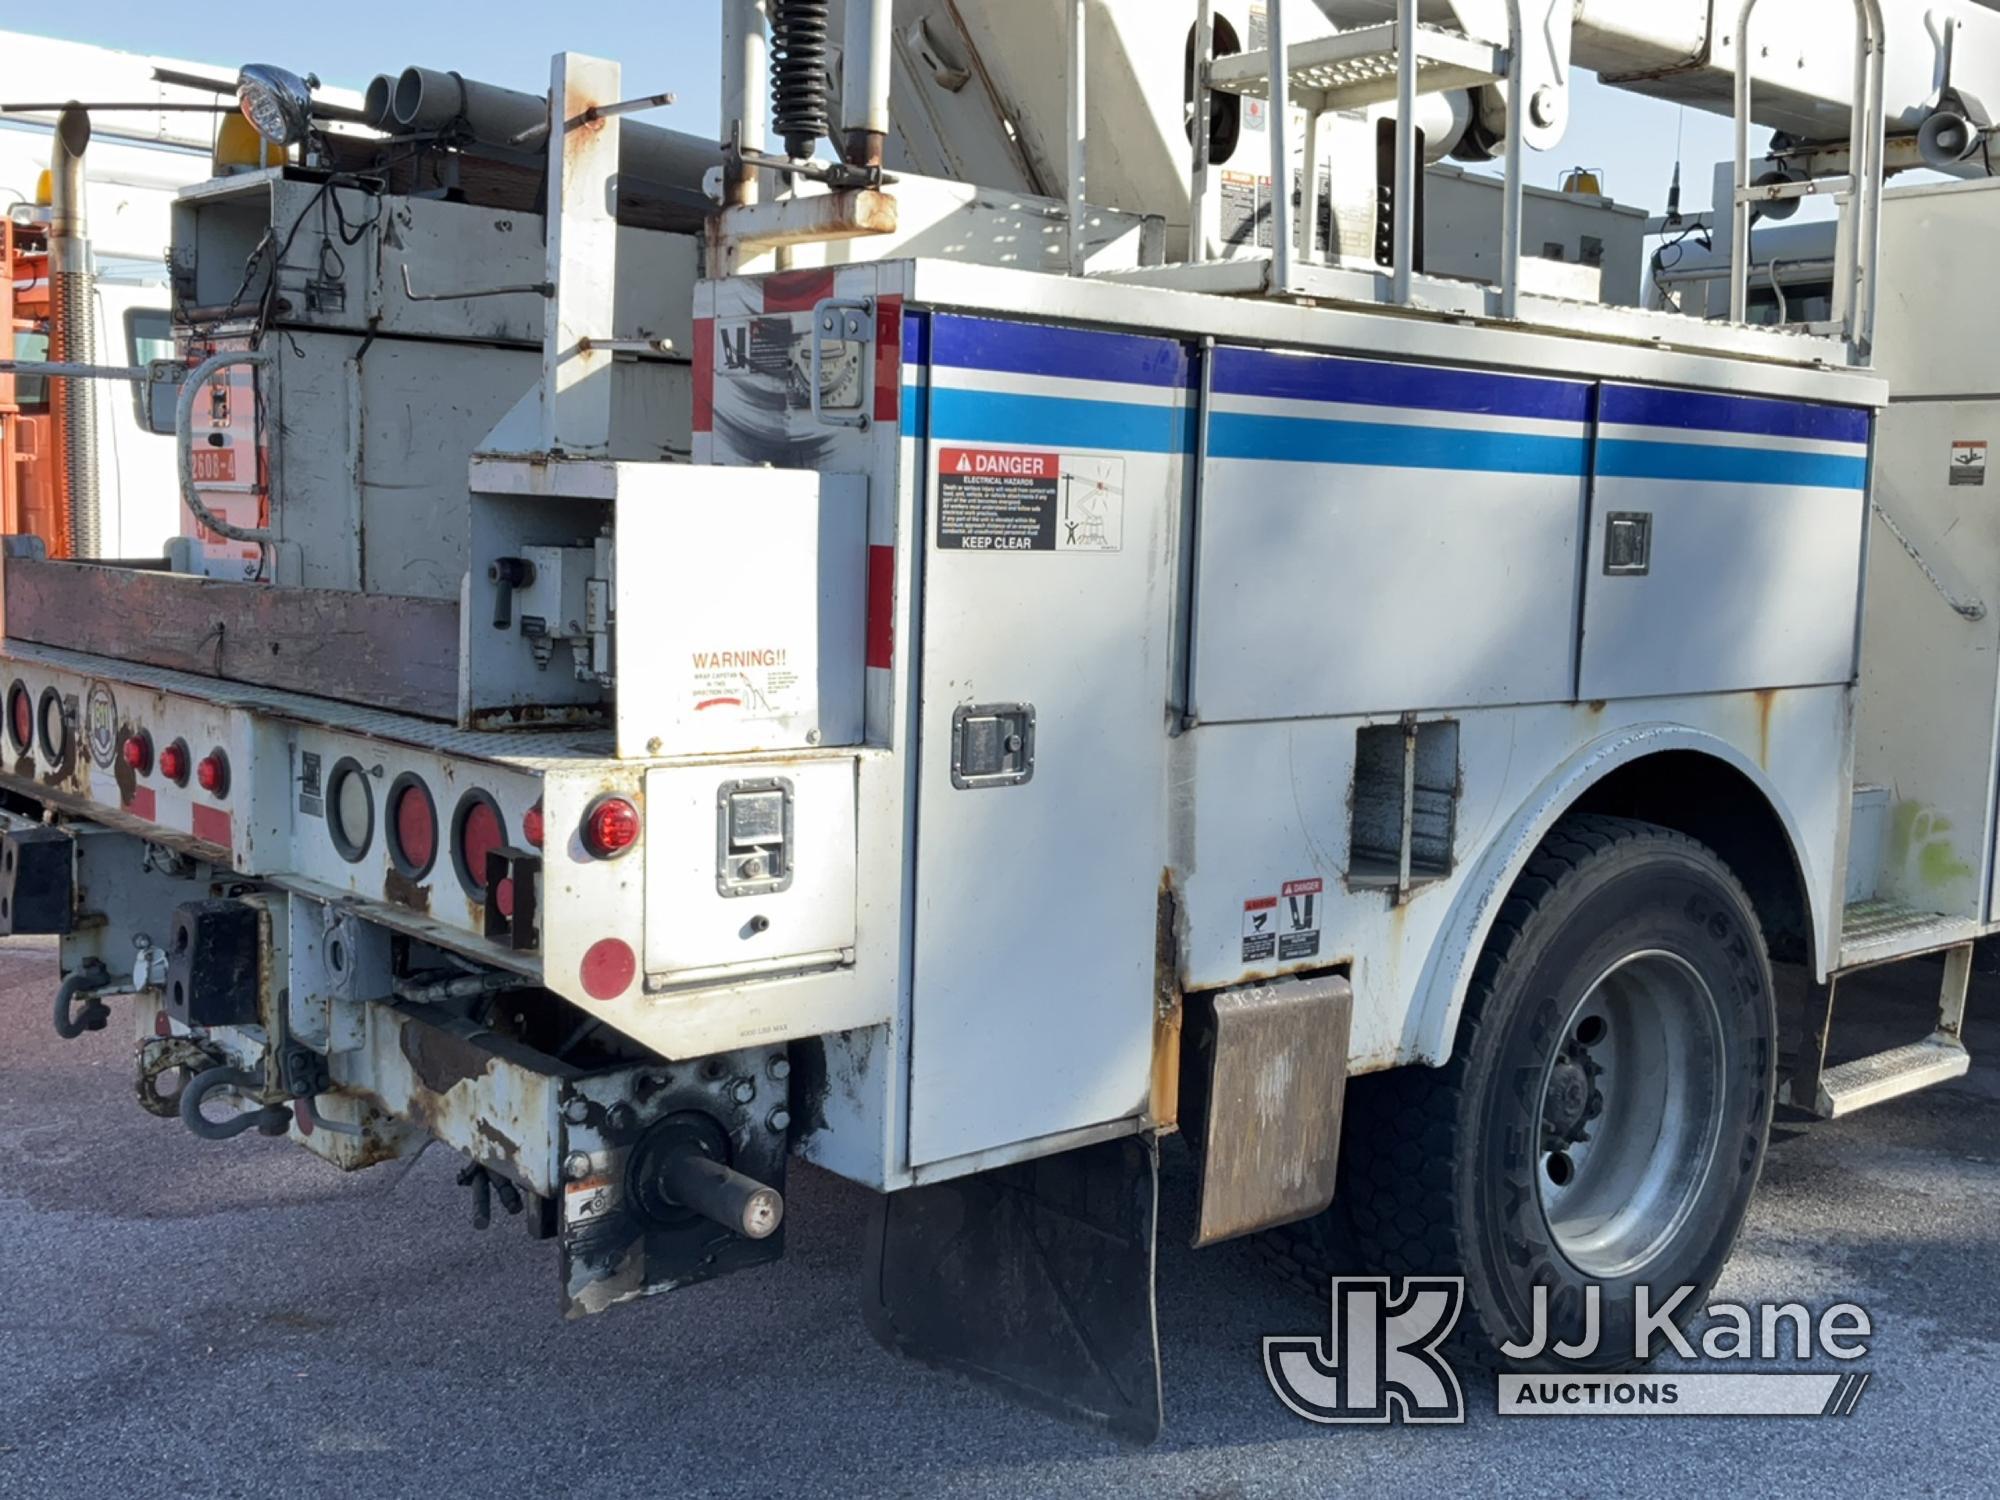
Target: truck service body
962, 685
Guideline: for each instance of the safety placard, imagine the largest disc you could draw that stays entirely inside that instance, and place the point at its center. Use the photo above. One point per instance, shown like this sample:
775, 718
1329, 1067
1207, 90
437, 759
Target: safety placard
1014, 500
1968, 463
761, 682
1285, 927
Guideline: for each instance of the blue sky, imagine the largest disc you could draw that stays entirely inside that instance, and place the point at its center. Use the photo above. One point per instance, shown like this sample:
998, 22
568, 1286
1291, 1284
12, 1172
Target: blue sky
673, 44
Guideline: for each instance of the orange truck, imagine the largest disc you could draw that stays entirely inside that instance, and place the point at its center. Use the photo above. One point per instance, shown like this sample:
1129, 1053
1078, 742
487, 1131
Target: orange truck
33, 497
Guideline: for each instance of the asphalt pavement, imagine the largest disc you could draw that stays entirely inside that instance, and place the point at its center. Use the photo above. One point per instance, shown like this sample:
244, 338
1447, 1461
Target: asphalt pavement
181, 1317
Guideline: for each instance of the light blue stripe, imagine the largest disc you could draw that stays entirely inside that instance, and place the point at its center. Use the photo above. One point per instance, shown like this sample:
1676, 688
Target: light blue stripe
1387, 445
1624, 458
1051, 421
913, 413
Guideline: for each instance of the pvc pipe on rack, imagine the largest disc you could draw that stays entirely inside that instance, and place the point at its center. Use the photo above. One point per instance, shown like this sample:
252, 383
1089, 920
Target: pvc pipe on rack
865, 79
1280, 132
1077, 100
744, 67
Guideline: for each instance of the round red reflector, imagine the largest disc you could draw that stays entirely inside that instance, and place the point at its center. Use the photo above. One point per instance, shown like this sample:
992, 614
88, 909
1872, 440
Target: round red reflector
138, 752
21, 718
479, 834
531, 826
213, 774
415, 822
611, 827
608, 967
503, 898
174, 763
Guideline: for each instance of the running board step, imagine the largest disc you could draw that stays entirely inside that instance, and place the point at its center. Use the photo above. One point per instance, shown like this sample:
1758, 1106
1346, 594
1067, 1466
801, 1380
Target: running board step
1889, 1075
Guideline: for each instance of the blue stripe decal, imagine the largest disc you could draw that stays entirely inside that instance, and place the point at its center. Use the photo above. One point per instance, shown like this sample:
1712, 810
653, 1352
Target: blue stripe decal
915, 412
1753, 416
1390, 446
1064, 353
916, 338
1619, 458
1308, 377
1053, 422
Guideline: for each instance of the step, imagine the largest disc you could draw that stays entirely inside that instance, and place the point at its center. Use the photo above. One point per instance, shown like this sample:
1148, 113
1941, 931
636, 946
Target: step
1873, 932
1354, 69
1890, 1075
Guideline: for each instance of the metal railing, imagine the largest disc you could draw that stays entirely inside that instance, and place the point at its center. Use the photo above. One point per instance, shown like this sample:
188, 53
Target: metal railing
1861, 217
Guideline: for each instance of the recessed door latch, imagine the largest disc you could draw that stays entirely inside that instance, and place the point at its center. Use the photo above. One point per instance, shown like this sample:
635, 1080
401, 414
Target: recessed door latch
753, 836
992, 744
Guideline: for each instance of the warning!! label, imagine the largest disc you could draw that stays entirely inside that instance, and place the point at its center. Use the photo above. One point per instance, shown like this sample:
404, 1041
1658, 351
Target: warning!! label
998, 500
760, 682
1286, 926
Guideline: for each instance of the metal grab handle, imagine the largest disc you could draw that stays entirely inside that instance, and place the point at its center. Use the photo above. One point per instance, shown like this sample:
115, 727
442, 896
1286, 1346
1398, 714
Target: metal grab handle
197, 381
838, 321
538, 288
1972, 608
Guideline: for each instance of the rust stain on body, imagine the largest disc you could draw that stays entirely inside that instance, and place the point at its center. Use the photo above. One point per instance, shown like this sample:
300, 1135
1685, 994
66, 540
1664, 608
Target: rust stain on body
399, 888
1767, 699
440, 1060
1165, 1105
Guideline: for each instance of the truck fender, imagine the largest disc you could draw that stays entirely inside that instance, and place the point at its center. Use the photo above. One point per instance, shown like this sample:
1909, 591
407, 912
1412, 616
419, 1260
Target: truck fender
1447, 973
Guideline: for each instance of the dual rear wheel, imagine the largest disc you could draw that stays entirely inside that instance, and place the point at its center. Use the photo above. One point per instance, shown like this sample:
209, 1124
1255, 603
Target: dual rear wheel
1603, 1117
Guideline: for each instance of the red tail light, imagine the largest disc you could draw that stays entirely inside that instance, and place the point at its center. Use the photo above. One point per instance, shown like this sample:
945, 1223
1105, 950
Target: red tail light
138, 752
174, 762
531, 826
610, 827
477, 830
21, 717
213, 774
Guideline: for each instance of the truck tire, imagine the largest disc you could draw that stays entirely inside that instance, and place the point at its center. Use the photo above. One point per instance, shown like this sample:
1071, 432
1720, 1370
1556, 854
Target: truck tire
1604, 1114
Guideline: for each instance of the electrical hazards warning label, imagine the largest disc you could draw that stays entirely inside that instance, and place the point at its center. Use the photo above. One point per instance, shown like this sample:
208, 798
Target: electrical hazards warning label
1009, 500
1284, 927
1968, 463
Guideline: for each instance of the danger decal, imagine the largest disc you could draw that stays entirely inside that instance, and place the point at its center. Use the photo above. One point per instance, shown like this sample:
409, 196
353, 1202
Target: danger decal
1284, 927
1013, 500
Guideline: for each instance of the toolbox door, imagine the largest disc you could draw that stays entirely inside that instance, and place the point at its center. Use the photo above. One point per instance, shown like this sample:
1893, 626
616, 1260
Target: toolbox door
1054, 477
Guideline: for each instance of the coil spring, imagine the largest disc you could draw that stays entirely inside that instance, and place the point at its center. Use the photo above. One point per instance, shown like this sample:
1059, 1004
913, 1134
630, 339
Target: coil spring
799, 89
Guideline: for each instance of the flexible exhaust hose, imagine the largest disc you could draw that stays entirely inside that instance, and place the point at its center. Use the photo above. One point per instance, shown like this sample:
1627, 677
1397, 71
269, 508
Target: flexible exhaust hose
800, 51
72, 331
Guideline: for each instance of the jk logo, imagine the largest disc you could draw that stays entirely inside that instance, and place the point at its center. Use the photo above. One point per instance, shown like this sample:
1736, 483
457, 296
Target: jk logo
1380, 1363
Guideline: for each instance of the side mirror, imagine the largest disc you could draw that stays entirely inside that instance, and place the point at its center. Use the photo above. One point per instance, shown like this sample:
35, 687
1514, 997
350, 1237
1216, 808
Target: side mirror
159, 395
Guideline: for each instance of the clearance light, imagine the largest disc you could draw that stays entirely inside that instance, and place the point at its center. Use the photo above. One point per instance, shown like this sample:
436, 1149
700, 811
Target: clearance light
212, 775
138, 752
531, 826
21, 717
174, 763
610, 827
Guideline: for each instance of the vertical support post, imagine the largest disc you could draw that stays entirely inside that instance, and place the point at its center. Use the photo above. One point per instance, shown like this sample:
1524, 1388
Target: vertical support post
1309, 190
1077, 99
864, 89
1811, 1060
1403, 253
1513, 192
1280, 133
1204, 104
582, 238
744, 68
1951, 994
1739, 208
1873, 126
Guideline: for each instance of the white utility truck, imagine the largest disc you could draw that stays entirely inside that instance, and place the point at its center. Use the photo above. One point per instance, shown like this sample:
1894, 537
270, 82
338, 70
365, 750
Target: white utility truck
965, 654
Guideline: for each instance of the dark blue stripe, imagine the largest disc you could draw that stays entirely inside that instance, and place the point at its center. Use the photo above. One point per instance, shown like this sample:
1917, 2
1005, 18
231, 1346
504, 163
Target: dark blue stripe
1389, 446
916, 338
1755, 416
1313, 377
1067, 353
984, 417
1618, 458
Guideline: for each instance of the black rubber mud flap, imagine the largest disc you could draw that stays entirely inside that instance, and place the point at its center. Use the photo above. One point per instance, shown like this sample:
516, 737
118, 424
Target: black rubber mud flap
1036, 1279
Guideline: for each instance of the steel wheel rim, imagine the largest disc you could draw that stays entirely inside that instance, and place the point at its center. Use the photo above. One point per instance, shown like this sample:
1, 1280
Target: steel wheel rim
1630, 1110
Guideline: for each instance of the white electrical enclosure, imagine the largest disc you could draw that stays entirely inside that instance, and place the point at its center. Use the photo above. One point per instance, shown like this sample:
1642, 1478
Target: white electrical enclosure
741, 604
